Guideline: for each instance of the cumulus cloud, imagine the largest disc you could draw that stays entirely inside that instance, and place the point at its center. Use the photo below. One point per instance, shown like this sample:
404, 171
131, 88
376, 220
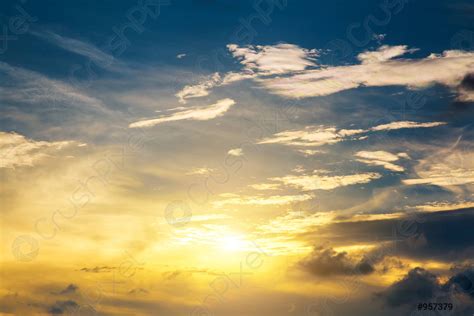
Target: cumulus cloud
376, 69
327, 262
381, 158
202, 113
417, 286
18, 151
276, 59
325, 182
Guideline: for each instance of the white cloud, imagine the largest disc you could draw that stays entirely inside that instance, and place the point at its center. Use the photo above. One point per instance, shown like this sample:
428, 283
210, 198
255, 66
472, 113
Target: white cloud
199, 90
179, 56
384, 53
406, 124
310, 136
322, 182
265, 186
381, 158
236, 152
202, 113
309, 152
200, 171
322, 135
78, 47
18, 151
277, 59
377, 69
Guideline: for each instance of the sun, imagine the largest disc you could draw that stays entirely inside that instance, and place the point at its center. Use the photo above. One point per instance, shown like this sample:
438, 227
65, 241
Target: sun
232, 242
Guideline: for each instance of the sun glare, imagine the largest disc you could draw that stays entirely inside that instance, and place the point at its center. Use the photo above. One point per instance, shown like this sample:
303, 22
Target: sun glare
232, 243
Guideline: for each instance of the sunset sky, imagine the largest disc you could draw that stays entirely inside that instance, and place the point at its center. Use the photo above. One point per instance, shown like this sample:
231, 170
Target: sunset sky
237, 158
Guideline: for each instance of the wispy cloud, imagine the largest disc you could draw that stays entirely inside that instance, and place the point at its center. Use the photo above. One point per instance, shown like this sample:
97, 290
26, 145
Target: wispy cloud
202, 113
381, 158
322, 135
376, 69
77, 47
18, 151
311, 136
406, 124
325, 182
258, 200
25, 86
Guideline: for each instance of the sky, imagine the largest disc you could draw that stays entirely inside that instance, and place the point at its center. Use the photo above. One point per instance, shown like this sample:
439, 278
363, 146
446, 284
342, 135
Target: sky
253, 157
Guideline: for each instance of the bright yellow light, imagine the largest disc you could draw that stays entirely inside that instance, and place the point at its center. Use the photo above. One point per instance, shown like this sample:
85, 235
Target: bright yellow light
231, 243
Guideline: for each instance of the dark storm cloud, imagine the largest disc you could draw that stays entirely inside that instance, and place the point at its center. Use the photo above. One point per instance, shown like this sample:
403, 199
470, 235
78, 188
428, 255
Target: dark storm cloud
422, 286
468, 82
327, 262
70, 289
418, 285
445, 236
463, 282
60, 307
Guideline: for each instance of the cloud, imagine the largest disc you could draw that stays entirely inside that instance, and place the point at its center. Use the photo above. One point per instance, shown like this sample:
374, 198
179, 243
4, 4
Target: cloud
417, 286
384, 53
200, 171
75, 46
322, 182
381, 158
25, 86
179, 56
60, 307
262, 200
323, 135
311, 136
327, 262
202, 113
236, 152
444, 206
271, 60
70, 289
376, 69
405, 124
18, 151
447, 168
265, 186
466, 89
199, 90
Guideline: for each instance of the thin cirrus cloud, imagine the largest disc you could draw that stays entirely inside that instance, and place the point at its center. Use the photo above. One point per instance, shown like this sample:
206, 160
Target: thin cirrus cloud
19, 151
261, 200
325, 182
202, 113
77, 47
26, 86
322, 135
292, 72
381, 158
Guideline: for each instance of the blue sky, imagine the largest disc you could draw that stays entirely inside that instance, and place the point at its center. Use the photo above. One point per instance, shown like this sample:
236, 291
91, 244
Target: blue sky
299, 126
